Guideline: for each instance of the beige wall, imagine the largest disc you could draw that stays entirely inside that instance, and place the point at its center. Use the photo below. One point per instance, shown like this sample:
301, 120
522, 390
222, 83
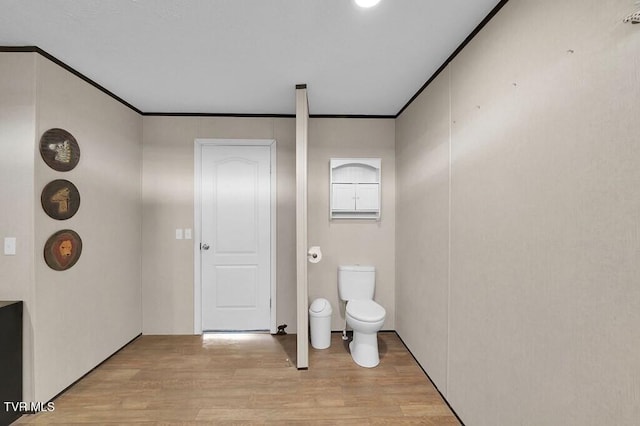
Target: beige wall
544, 201
73, 319
422, 225
348, 242
17, 135
168, 161
168, 200
88, 312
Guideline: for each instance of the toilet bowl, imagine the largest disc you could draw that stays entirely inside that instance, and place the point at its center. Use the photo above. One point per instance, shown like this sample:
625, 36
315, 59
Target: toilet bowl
365, 317
356, 286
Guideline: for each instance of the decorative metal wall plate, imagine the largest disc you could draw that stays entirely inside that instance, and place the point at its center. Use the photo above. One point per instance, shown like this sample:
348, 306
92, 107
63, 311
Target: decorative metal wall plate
59, 149
62, 250
60, 199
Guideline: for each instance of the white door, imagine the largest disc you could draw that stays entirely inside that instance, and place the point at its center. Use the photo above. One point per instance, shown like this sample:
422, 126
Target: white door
236, 238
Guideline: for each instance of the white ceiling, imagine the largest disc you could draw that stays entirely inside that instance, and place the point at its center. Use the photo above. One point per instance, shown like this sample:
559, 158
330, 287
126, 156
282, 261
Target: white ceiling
246, 56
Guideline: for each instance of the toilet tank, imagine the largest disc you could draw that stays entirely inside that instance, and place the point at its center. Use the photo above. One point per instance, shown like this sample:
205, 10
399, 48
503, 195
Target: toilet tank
356, 282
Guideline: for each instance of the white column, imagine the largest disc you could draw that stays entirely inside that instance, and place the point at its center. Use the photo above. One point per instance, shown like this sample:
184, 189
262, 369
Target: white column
302, 119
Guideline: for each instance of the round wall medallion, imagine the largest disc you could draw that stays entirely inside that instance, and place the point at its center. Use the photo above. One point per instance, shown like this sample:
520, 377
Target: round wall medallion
59, 149
60, 199
62, 250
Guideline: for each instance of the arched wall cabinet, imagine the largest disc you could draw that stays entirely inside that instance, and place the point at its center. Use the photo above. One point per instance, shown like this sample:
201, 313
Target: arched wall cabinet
355, 188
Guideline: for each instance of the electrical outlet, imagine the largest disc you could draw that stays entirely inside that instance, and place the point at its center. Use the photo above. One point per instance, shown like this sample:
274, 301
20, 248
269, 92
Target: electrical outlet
9, 246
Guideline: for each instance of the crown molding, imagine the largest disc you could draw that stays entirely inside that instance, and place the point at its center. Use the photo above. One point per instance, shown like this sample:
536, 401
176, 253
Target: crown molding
35, 49
455, 53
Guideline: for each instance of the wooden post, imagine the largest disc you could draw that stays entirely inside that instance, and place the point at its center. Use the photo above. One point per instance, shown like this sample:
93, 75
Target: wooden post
302, 119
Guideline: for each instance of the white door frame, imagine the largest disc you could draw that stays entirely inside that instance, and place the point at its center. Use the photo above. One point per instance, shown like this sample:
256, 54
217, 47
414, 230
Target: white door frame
197, 224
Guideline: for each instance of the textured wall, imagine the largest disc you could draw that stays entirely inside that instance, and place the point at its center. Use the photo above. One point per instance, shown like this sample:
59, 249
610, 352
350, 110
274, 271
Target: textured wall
17, 135
88, 312
422, 228
168, 200
348, 242
544, 248
168, 161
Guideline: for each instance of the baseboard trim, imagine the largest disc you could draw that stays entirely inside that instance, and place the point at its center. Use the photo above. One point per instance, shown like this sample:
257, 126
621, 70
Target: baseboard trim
90, 371
432, 382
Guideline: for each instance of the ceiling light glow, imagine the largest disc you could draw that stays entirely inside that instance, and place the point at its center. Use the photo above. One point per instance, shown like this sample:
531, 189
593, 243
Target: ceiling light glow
367, 3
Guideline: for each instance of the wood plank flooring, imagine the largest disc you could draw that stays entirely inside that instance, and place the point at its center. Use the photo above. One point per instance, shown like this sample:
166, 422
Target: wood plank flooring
249, 379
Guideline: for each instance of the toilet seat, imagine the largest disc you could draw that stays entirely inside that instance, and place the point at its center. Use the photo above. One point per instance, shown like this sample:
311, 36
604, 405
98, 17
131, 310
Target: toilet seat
365, 310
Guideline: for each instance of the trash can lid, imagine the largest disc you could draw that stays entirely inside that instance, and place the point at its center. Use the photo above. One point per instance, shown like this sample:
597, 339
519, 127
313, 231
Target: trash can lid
320, 306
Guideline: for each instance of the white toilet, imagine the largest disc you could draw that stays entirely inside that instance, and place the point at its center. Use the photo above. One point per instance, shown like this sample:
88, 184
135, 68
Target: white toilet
356, 285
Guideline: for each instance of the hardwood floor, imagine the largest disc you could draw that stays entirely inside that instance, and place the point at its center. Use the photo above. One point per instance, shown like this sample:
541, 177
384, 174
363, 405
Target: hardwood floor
249, 379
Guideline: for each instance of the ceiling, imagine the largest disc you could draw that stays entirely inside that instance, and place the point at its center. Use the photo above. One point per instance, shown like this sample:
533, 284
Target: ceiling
246, 56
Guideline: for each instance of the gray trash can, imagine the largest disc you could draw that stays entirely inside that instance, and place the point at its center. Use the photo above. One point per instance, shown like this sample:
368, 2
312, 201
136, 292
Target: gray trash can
320, 321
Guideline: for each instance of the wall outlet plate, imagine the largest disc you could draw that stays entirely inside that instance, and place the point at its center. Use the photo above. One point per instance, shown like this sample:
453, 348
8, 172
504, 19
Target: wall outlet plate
9, 246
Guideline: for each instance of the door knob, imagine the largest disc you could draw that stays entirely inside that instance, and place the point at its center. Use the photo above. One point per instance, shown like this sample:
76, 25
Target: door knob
204, 246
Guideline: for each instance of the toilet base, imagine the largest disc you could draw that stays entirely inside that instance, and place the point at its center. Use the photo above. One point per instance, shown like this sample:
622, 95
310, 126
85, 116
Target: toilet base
364, 349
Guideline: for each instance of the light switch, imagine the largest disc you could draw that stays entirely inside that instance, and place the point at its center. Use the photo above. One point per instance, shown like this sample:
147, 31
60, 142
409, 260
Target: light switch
179, 234
10, 246
187, 233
